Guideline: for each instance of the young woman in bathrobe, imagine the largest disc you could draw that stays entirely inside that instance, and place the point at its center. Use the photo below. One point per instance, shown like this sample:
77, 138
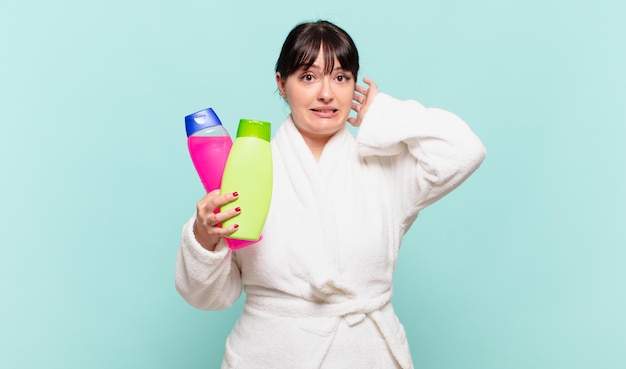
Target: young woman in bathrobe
318, 285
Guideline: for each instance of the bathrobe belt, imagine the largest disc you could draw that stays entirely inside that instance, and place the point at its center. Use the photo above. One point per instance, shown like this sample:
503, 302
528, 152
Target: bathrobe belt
352, 310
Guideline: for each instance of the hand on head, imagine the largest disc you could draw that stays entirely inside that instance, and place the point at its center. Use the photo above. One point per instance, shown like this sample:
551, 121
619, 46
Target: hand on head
207, 228
363, 98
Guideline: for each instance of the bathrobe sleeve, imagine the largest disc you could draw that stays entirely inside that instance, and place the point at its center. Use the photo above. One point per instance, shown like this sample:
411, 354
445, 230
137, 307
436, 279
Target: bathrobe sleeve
429, 151
208, 280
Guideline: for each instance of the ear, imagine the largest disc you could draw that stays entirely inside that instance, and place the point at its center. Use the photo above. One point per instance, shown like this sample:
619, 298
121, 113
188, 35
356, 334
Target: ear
280, 83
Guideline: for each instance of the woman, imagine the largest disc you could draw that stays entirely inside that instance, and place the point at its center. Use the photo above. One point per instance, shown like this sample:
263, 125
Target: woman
319, 284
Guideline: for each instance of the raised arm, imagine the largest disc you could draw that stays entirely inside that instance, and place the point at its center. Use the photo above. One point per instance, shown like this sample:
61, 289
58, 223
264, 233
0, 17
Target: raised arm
430, 151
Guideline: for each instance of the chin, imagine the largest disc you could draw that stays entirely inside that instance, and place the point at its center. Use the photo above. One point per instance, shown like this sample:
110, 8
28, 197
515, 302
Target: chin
323, 132
329, 129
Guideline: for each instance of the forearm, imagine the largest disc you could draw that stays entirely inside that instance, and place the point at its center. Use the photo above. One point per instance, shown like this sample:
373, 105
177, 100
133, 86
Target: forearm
432, 150
208, 280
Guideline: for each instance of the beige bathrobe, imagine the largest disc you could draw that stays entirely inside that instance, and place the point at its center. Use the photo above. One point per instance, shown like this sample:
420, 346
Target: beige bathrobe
318, 286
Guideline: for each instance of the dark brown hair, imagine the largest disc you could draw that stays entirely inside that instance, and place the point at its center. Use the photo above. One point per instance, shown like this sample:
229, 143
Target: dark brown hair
303, 44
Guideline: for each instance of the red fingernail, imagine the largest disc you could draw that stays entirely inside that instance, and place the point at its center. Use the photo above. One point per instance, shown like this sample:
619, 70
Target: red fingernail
236, 226
235, 194
238, 209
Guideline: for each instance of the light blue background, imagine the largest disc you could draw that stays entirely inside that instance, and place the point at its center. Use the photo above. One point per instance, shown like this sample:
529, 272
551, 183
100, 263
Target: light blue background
522, 267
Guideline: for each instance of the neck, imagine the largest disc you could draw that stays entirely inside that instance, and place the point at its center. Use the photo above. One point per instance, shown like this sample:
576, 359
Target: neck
316, 145
315, 142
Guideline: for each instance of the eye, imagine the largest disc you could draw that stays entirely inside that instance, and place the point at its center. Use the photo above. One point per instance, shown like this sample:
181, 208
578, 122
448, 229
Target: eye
343, 78
307, 77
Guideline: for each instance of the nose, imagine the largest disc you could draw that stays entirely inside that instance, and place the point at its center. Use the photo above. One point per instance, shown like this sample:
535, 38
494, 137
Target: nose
325, 93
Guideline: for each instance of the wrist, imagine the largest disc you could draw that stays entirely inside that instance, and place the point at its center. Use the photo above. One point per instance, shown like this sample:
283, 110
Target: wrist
207, 242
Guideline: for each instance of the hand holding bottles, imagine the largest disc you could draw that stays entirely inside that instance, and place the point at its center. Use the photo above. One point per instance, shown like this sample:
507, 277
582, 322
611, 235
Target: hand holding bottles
207, 227
250, 168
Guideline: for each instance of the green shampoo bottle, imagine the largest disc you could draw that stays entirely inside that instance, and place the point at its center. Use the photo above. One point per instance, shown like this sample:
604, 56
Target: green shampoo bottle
248, 172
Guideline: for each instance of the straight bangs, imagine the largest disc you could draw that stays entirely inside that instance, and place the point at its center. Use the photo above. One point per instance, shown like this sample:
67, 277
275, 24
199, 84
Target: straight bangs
301, 50
332, 50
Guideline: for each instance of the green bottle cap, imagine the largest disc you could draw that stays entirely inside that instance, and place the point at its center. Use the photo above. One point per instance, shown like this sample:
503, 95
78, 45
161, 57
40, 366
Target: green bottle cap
254, 128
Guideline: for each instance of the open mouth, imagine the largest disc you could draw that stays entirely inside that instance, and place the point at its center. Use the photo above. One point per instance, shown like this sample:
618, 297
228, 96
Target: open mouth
325, 111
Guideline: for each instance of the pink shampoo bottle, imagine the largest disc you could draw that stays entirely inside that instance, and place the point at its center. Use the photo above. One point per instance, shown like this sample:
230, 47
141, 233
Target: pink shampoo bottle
209, 145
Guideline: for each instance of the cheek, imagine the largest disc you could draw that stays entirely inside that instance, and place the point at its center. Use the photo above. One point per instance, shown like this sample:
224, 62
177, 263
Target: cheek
294, 102
301, 100
346, 97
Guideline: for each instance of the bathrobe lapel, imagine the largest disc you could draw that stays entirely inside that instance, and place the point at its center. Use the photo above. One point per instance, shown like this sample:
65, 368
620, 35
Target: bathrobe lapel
318, 257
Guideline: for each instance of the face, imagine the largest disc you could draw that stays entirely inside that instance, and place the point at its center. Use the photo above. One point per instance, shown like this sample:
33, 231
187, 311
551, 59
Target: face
320, 103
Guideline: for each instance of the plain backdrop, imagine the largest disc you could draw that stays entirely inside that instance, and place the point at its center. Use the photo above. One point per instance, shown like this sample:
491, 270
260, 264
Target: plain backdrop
521, 267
